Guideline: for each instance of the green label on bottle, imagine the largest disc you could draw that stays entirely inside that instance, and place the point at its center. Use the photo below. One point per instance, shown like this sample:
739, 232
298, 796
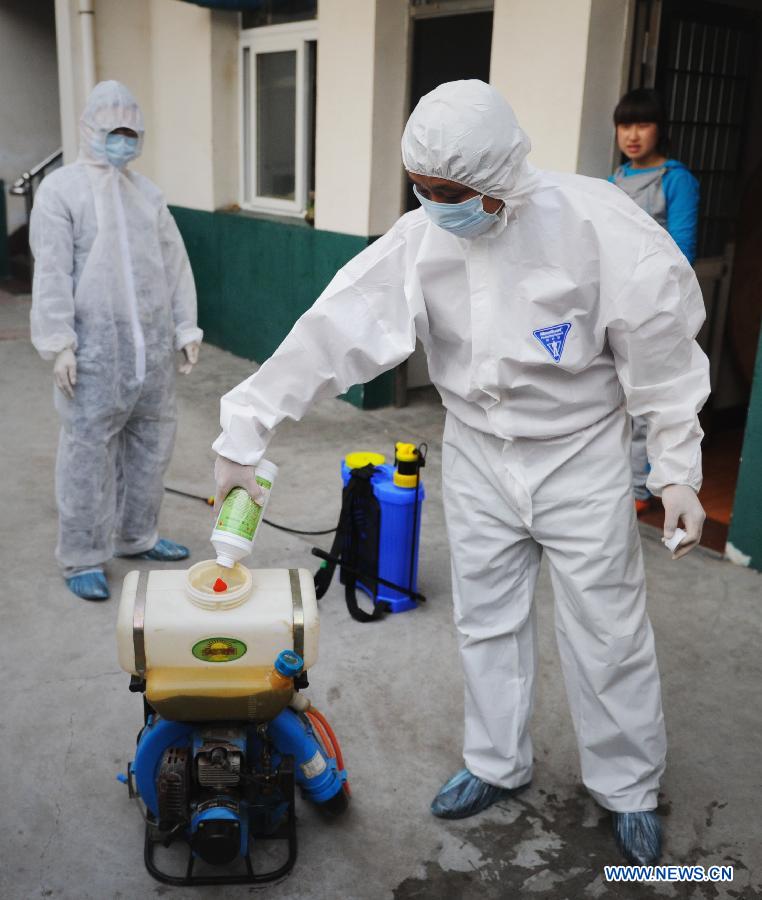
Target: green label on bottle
219, 649
240, 515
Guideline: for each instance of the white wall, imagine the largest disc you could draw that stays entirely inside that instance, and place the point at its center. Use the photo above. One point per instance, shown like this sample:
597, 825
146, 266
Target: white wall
539, 56
123, 52
180, 61
29, 120
361, 93
390, 108
561, 65
70, 73
344, 114
226, 101
181, 51
608, 57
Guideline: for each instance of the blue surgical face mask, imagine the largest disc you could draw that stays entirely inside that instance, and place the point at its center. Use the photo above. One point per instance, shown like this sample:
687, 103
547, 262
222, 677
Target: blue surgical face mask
467, 219
120, 149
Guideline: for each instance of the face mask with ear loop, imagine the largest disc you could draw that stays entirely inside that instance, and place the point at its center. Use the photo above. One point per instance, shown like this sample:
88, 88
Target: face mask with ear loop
120, 149
467, 219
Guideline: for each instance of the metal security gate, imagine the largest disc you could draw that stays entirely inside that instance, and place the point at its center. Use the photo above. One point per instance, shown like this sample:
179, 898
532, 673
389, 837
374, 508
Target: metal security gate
700, 56
704, 73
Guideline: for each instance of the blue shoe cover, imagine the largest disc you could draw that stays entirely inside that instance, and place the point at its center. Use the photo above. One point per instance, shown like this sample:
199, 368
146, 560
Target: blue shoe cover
465, 795
638, 836
90, 585
165, 551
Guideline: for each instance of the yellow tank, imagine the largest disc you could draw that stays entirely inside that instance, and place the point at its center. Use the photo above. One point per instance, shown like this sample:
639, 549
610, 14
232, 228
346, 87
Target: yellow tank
208, 654
191, 694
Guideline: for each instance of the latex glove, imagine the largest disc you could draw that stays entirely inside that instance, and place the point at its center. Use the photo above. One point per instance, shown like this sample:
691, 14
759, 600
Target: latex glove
229, 474
191, 357
680, 502
65, 372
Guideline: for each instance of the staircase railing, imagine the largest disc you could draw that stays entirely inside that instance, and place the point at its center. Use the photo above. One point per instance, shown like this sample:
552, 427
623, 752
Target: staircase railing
25, 185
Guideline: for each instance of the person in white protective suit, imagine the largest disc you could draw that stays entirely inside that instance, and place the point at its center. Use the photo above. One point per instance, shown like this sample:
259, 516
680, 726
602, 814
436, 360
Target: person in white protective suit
548, 305
113, 299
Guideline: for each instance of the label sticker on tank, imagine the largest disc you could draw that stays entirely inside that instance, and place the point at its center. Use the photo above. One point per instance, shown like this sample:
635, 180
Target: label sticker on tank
553, 338
314, 766
219, 649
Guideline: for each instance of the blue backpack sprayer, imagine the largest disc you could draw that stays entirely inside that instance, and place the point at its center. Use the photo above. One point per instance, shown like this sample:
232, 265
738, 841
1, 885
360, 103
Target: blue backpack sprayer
378, 535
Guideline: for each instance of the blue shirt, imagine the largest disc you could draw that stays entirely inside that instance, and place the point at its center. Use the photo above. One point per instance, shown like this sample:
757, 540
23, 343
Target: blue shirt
681, 195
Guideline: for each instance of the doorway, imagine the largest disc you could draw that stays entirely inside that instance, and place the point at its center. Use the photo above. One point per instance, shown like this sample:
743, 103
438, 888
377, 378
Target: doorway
450, 41
703, 57
447, 48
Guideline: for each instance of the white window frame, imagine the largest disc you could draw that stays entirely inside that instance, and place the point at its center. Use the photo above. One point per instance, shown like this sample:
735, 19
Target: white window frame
292, 36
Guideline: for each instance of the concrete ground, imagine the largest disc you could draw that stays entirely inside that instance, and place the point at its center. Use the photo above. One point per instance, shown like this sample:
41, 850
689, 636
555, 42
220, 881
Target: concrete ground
392, 690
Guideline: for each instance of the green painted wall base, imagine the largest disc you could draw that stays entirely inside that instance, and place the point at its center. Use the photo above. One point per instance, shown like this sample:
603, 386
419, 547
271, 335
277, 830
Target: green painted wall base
745, 535
255, 276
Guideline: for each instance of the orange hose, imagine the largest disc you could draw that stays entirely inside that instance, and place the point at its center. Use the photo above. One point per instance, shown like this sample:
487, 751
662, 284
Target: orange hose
334, 741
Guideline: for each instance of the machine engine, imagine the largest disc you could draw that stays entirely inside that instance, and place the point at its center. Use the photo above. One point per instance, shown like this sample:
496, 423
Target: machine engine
223, 786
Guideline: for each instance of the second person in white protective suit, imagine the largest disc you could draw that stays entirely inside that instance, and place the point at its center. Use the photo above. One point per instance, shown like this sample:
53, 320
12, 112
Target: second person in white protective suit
549, 305
113, 300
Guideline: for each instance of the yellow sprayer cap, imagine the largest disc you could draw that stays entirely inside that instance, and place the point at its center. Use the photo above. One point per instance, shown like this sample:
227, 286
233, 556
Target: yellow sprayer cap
361, 458
405, 453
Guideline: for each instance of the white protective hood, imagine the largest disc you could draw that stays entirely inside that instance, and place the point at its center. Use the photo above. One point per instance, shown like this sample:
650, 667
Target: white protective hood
109, 106
466, 131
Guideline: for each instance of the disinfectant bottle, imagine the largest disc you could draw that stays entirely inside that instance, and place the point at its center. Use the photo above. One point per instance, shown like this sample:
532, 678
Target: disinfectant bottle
239, 518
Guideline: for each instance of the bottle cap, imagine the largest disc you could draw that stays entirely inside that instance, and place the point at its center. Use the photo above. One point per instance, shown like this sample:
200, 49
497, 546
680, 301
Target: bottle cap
407, 465
289, 663
225, 560
405, 452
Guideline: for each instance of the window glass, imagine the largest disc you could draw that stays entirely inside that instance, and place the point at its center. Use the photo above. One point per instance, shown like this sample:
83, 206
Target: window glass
276, 12
276, 124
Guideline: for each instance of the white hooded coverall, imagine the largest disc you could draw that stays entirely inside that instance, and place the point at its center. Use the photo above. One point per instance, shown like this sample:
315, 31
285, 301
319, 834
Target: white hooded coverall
112, 282
574, 306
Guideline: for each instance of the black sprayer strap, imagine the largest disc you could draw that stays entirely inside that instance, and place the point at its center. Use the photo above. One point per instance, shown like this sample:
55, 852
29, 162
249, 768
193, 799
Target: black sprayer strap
362, 500
359, 615
345, 548
324, 574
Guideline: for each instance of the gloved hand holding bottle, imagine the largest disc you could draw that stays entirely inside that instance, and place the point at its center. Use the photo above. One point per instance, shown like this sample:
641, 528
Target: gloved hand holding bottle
680, 501
191, 357
229, 474
65, 372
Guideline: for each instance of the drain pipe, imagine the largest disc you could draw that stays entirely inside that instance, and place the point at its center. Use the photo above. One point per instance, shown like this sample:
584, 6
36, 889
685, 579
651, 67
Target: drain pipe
87, 31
